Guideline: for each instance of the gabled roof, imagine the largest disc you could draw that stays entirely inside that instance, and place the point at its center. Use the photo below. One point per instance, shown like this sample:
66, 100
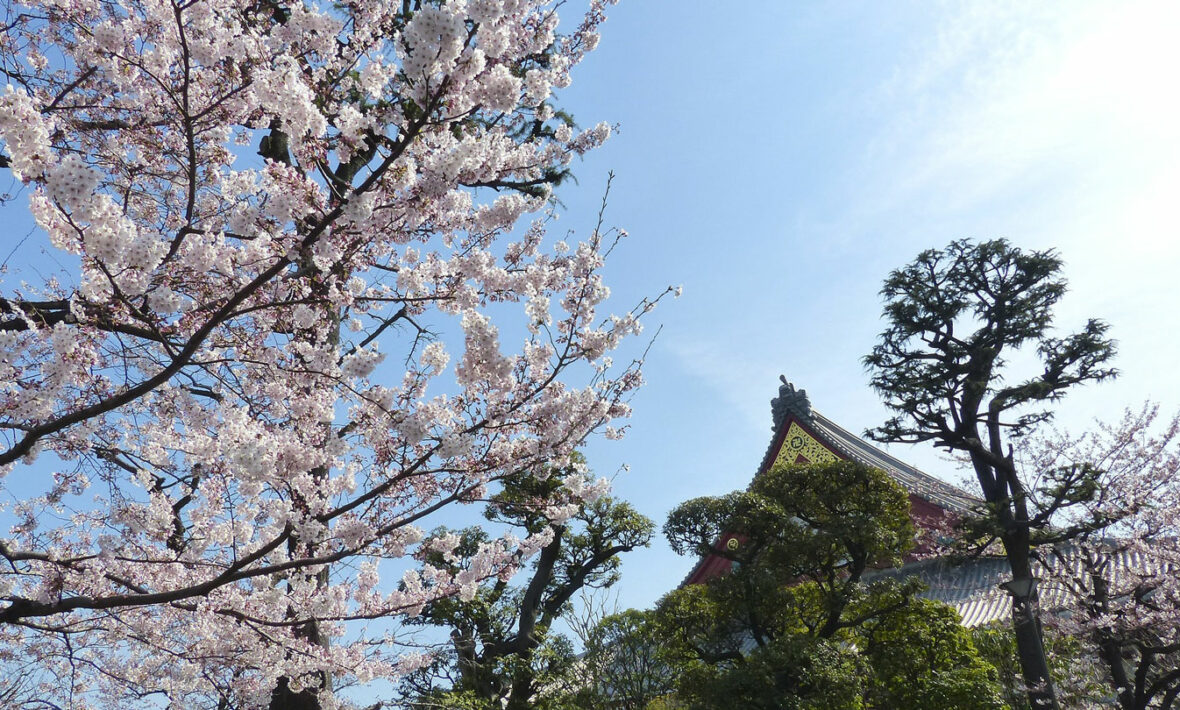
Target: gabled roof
912, 479
792, 405
803, 435
970, 586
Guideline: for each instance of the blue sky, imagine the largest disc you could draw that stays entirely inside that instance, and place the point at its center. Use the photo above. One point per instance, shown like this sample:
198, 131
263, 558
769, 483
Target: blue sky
778, 159
781, 159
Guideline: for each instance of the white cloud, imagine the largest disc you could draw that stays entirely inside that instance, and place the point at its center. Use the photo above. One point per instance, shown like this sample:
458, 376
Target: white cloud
1052, 124
1076, 101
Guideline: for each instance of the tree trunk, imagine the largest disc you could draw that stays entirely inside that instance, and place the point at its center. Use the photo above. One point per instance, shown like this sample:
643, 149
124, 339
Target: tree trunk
1026, 626
282, 698
521, 697
1111, 653
1002, 489
1109, 648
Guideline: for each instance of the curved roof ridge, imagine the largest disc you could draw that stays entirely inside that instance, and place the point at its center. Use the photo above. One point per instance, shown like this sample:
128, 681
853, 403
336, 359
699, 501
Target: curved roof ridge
971, 585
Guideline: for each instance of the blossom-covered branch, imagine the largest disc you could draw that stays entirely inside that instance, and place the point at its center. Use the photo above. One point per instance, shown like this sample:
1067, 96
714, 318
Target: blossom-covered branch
265, 200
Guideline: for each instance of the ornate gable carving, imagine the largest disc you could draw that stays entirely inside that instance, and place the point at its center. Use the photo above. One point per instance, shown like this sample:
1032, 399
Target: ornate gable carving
801, 447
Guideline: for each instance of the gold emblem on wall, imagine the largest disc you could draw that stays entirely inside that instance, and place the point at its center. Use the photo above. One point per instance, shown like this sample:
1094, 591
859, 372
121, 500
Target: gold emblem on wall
798, 444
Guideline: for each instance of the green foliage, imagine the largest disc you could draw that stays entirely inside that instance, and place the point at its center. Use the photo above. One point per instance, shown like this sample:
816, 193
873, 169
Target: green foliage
922, 657
955, 317
1081, 683
930, 362
997, 646
502, 653
796, 624
627, 666
817, 521
792, 673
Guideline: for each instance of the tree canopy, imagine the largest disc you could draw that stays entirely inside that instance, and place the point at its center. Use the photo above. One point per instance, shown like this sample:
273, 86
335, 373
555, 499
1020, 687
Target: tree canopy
309, 302
1120, 583
955, 318
801, 621
502, 651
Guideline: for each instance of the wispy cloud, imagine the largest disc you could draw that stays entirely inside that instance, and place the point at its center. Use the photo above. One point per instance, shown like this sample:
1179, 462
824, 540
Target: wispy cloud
738, 375
1074, 101
1057, 125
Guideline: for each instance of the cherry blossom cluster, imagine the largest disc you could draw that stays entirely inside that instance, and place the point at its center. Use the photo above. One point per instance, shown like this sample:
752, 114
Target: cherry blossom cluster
1121, 581
317, 304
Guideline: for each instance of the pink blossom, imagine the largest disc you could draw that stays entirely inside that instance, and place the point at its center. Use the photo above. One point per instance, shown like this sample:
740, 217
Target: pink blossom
246, 405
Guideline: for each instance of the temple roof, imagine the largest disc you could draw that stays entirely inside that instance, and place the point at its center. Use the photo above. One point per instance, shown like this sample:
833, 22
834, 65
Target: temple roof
793, 404
972, 586
802, 434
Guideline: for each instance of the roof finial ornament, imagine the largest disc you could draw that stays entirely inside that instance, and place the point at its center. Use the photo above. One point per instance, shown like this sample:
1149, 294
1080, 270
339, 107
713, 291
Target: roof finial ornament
789, 401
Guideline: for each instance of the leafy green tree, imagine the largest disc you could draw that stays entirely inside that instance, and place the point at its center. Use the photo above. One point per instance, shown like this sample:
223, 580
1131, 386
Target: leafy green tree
796, 623
502, 652
955, 317
626, 665
922, 657
1072, 661
792, 673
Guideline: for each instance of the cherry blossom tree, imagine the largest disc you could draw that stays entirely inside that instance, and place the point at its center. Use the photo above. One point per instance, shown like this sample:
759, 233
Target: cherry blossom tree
206, 467
1121, 583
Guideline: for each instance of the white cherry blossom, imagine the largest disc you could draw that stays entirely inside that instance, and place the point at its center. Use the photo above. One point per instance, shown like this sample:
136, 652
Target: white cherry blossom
227, 432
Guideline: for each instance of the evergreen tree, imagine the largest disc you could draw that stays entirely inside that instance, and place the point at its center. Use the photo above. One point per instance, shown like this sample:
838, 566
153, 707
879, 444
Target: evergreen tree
502, 652
800, 622
955, 317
